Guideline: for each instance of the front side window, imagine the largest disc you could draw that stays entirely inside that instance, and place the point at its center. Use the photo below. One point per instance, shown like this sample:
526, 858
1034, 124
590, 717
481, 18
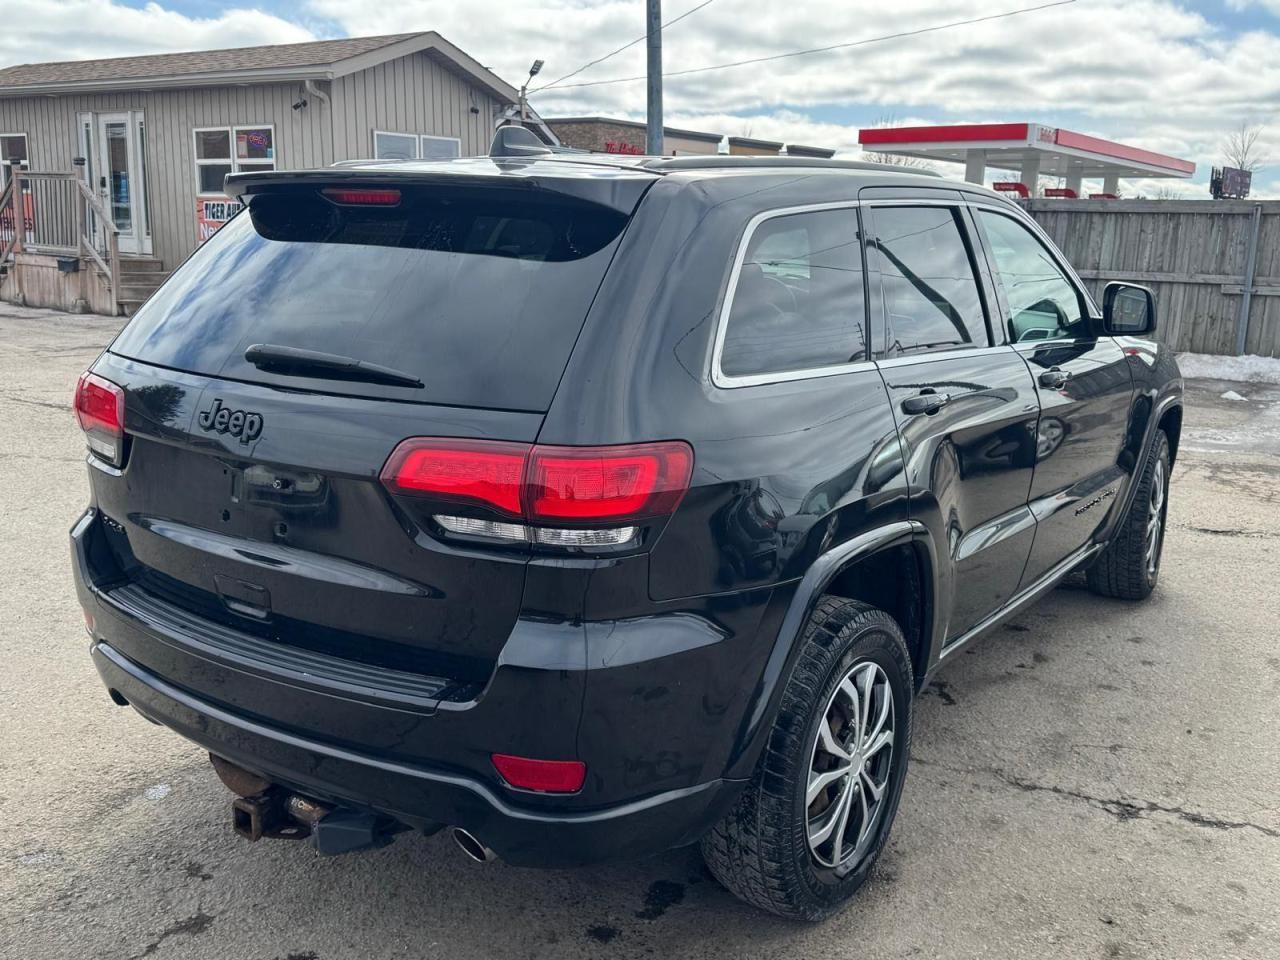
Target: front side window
1043, 304
931, 297
798, 303
224, 150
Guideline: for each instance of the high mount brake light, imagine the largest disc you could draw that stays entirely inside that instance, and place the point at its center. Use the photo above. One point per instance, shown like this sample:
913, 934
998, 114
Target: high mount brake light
581, 485
99, 408
362, 196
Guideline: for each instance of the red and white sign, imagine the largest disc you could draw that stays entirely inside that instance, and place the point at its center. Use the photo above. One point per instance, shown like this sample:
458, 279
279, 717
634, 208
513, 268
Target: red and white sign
212, 213
28, 221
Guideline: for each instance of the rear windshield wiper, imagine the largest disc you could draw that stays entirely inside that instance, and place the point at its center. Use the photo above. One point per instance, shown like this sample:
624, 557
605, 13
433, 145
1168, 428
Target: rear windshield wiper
313, 363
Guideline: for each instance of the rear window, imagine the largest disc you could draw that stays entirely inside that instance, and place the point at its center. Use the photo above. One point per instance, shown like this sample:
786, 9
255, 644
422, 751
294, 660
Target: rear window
477, 292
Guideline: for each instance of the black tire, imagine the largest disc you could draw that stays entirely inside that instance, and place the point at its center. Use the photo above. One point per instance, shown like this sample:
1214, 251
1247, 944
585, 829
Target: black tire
760, 850
1124, 569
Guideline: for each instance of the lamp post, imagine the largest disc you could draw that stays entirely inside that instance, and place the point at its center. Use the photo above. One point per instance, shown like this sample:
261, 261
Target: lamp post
524, 92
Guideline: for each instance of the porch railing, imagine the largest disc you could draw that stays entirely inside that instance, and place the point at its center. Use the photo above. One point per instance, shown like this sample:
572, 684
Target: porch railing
57, 213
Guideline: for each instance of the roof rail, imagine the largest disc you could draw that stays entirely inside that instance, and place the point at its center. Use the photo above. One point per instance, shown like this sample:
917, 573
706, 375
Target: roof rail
721, 161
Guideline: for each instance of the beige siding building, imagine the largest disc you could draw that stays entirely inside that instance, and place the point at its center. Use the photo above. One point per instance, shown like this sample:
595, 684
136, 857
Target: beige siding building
158, 134
749, 147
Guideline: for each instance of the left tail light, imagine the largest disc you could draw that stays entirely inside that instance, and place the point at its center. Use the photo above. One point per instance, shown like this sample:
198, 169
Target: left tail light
588, 497
99, 407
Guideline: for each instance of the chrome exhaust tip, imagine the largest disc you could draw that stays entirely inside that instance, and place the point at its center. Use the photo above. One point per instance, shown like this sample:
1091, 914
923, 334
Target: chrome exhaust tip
472, 847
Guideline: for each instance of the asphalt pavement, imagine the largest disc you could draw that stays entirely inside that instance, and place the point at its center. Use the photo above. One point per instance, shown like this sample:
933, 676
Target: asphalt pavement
1094, 779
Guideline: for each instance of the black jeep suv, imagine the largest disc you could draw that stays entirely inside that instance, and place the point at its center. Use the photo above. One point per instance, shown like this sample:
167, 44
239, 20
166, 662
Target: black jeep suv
593, 506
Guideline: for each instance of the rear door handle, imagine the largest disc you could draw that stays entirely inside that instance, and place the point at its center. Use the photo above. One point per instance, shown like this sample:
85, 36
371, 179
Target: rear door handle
927, 403
1055, 378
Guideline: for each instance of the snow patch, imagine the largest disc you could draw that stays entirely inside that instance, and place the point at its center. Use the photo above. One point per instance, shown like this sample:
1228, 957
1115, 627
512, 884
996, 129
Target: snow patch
1246, 369
158, 792
1232, 395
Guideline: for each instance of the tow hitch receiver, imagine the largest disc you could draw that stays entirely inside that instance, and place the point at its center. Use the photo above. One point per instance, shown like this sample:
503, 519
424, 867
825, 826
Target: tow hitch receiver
267, 814
274, 812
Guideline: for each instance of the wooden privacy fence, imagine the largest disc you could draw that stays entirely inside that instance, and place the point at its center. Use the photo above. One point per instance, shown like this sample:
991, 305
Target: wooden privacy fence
1214, 264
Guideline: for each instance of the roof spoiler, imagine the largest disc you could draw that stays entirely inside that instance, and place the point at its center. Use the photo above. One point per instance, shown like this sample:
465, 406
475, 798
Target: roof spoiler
513, 141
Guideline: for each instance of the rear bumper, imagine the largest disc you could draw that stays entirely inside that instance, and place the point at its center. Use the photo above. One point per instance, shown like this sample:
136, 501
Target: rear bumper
655, 776
418, 796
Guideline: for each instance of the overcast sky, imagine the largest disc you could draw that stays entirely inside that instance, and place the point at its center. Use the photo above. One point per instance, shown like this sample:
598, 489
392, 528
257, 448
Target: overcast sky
1167, 75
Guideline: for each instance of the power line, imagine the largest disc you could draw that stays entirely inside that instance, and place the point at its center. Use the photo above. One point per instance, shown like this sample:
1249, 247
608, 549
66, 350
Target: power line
626, 46
827, 49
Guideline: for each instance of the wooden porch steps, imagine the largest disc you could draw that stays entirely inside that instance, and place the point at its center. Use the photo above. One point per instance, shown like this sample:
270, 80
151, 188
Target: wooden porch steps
139, 278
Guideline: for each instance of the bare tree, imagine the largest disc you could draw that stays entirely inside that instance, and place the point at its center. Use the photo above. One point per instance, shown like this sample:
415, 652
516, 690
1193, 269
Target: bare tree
1241, 148
1166, 192
916, 163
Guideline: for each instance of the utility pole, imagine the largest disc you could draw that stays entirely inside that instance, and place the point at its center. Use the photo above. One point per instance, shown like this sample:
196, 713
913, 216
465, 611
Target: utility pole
653, 129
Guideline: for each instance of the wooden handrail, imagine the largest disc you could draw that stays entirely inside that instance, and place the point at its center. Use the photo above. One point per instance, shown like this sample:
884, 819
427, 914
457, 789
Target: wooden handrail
6, 203
111, 266
94, 201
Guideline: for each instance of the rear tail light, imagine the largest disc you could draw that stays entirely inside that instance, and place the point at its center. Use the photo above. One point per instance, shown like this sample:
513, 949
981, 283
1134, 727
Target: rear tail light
613, 487
544, 776
608, 483
99, 407
465, 471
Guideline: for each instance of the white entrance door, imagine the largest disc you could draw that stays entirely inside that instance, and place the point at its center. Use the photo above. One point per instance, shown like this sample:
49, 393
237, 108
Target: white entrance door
120, 172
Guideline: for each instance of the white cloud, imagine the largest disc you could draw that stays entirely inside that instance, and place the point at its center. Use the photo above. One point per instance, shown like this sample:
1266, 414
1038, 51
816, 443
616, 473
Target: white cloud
1154, 73
1271, 5
37, 31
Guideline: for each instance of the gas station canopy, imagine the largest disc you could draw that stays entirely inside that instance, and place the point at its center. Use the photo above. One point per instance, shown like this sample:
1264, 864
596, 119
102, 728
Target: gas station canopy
1032, 149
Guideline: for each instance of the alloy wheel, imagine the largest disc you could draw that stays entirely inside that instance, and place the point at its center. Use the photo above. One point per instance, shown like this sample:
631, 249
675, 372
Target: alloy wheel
1155, 519
849, 769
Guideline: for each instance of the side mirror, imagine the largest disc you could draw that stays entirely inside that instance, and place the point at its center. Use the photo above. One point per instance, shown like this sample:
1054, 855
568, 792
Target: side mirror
1128, 309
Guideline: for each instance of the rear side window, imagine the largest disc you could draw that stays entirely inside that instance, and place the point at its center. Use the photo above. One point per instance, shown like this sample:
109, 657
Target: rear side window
478, 292
931, 298
798, 303
1043, 305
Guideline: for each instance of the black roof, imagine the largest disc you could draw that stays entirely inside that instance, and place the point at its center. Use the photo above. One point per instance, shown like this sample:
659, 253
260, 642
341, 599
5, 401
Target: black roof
586, 168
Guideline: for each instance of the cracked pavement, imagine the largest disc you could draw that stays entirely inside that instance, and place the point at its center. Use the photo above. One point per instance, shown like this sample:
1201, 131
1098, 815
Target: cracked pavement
1094, 779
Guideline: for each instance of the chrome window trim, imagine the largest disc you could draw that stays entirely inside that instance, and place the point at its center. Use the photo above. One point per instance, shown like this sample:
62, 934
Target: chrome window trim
913, 358
727, 382
724, 381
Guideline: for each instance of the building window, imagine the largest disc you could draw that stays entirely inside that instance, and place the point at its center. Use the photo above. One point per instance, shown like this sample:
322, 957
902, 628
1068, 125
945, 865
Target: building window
224, 150
13, 146
414, 146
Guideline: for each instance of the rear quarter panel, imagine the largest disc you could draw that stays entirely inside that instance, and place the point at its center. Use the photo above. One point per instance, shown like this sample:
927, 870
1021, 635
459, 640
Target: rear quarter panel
783, 472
